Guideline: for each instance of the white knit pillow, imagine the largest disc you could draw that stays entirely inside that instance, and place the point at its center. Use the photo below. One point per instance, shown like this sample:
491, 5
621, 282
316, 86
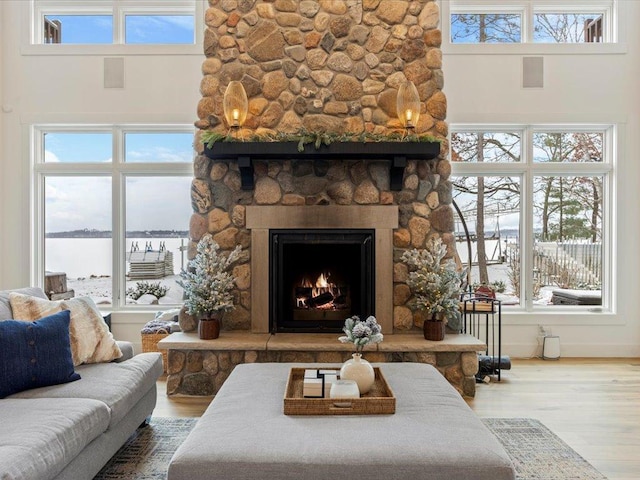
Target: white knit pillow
91, 340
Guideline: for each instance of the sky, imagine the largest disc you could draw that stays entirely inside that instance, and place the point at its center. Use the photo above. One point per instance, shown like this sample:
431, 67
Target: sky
152, 202
139, 29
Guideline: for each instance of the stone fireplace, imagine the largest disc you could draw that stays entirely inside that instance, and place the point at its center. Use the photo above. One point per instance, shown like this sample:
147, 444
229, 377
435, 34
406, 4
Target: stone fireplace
325, 66
322, 66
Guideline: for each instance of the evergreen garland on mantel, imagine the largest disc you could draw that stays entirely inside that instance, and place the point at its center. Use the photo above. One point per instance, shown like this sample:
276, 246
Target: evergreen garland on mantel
304, 137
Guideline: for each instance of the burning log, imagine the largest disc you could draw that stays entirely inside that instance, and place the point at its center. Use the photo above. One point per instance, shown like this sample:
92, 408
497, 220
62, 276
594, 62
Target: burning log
304, 292
340, 300
322, 299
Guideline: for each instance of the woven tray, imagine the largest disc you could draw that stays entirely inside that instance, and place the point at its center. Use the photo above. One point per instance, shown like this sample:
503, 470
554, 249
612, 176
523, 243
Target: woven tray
379, 400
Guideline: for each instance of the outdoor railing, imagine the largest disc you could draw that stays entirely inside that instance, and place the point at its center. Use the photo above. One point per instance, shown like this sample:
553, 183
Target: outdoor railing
568, 264
52, 31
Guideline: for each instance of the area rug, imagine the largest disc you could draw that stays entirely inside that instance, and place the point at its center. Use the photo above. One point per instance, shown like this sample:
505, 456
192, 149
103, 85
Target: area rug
536, 452
539, 454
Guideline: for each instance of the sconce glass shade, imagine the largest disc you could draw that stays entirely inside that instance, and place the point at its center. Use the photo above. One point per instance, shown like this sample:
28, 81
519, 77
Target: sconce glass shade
235, 104
408, 104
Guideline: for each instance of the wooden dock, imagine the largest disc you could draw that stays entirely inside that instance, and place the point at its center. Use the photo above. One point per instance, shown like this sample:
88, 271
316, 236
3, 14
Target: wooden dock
149, 264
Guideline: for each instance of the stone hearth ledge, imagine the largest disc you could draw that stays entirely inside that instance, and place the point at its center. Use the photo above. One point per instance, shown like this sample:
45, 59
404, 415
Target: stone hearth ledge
242, 340
200, 367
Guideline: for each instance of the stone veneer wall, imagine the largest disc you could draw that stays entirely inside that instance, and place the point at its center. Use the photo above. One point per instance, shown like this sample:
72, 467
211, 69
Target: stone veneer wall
202, 372
326, 65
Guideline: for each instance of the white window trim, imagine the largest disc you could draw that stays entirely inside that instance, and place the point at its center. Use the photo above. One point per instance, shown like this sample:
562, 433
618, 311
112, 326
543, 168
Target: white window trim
526, 169
614, 10
118, 170
34, 13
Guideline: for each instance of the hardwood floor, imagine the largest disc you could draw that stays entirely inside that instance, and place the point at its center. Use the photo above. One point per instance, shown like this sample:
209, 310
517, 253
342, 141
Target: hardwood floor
592, 404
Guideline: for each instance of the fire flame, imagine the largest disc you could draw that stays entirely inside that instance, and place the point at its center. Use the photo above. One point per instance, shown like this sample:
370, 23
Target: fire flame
322, 281
320, 286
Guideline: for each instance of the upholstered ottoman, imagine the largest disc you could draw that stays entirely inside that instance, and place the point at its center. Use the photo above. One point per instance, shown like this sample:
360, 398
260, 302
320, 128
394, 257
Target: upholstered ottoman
433, 434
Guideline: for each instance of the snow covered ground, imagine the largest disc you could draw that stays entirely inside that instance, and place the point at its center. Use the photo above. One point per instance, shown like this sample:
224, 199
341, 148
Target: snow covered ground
99, 289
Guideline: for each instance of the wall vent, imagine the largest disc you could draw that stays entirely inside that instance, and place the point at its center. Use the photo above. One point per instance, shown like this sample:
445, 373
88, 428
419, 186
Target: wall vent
532, 72
114, 72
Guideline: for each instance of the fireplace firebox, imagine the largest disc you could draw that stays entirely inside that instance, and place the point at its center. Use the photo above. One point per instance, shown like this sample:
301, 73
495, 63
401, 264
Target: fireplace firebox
319, 278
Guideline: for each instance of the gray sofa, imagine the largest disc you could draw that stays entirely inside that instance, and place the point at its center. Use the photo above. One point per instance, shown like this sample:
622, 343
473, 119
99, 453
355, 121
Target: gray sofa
70, 431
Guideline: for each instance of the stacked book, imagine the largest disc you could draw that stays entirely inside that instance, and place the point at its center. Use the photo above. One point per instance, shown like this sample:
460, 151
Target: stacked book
317, 382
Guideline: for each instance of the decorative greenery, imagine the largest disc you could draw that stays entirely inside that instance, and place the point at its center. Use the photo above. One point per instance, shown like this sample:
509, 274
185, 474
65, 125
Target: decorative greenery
361, 332
207, 282
143, 288
436, 282
303, 137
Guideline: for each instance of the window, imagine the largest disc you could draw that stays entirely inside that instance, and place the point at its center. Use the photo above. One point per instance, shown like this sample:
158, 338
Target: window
114, 206
157, 147
78, 147
147, 29
93, 22
486, 28
527, 21
80, 29
532, 205
568, 27
78, 240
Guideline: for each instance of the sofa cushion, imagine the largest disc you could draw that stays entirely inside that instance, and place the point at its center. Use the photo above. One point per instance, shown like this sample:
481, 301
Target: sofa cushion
91, 340
118, 385
5, 306
39, 437
35, 354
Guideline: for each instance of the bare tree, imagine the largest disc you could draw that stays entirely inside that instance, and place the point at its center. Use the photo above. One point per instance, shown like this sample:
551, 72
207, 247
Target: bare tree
485, 194
561, 27
486, 27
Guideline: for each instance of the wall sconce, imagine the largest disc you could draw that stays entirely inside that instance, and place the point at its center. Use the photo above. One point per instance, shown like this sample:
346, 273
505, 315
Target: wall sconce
408, 105
235, 104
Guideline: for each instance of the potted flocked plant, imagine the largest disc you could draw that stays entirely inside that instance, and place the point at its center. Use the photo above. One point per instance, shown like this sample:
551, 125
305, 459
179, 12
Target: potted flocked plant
360, 333
436, 283
207, 285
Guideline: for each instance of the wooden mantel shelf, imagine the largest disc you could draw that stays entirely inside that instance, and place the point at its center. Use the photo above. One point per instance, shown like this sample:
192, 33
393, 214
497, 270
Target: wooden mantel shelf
397, 153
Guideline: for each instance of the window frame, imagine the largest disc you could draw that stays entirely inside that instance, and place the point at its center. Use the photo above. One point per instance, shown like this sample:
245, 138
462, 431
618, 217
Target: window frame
118, 9
614, 33
527, 169
118, 170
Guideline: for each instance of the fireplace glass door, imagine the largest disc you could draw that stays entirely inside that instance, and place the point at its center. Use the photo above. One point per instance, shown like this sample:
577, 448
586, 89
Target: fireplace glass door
319, 278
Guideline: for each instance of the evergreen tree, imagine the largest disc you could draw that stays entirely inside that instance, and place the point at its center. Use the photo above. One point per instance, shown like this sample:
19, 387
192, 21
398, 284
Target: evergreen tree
207, 282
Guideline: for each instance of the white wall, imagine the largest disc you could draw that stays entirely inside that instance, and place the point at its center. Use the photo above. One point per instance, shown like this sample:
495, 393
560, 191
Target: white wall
69, 88
2, 142
479, 88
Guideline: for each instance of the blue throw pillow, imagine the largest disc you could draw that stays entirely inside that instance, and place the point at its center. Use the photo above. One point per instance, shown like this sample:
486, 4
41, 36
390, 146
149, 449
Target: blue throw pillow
35, 354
